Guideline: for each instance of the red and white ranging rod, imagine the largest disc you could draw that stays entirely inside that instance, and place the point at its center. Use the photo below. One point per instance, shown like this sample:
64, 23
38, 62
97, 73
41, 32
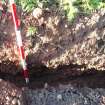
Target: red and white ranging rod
19, 40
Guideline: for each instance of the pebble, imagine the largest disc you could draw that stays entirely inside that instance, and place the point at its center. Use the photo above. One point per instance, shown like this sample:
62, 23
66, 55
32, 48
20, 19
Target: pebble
7, 98
19, 102
37, 12
46, 85
14, 101
66, 25
1, 80
59, 97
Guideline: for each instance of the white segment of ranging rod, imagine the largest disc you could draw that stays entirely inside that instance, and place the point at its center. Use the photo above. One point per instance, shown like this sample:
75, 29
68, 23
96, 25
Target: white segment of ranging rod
19, 38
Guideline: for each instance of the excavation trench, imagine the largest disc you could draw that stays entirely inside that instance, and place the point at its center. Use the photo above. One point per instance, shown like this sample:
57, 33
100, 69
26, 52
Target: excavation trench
69, 74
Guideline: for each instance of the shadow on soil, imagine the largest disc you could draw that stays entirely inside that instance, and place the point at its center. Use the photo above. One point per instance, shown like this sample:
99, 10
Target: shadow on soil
68, 74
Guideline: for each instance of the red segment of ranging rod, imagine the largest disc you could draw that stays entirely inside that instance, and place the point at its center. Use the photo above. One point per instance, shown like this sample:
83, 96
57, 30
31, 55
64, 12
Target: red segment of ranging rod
19, 41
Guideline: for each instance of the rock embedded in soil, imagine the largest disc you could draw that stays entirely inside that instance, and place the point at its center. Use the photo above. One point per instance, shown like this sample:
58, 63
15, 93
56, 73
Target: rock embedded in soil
37, 13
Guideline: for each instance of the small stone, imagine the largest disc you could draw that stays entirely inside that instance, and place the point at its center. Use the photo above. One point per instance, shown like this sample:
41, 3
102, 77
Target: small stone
14, 101
7, 98
66, 25
59, 97
37, 13
46, 85
5, 32
1, 80
19, 102
13, 93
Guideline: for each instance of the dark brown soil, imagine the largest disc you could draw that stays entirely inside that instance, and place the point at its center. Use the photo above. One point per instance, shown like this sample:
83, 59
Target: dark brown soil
62, 75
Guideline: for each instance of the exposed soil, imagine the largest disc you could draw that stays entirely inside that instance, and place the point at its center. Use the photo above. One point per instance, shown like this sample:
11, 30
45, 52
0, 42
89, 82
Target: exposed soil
59, 54
56, 41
